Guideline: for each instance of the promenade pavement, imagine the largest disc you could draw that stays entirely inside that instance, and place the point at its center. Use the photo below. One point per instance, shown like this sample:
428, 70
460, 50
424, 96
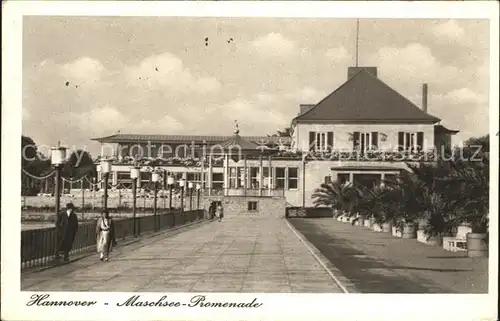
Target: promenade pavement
235, 255
376, 262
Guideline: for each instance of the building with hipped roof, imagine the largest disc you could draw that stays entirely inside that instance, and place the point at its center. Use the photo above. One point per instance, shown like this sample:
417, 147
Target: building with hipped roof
362, 132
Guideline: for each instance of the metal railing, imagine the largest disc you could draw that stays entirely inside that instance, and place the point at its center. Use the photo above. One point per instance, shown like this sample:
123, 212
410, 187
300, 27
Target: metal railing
253, 192
39, 246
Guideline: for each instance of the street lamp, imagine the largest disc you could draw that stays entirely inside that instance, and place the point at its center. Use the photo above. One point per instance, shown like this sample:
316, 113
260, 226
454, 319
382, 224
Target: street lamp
198, 190
182, 183
135, 173
58, 156
190, 186
155, 177
105, 169
170, 183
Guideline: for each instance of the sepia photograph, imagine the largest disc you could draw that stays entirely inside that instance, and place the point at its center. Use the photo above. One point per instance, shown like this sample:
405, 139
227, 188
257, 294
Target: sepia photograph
247, 155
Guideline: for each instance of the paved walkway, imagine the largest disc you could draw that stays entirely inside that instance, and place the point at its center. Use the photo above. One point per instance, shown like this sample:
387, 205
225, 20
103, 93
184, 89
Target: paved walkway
235, 255
380, 263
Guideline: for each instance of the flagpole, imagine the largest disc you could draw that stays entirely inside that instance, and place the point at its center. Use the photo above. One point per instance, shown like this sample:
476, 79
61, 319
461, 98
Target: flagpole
357, 40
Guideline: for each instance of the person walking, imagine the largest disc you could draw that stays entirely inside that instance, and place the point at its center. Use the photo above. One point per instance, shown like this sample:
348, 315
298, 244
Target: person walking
66, 228
105, 232
220, 212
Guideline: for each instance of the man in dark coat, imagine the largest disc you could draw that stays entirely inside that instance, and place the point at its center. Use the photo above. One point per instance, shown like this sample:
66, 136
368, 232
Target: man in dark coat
66, 227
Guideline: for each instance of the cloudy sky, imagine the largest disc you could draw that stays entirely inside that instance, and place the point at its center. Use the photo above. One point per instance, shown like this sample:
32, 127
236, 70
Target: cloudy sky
90, 77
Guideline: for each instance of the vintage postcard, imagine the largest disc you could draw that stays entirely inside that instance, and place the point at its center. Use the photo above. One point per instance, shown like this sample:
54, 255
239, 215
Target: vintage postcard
249, 160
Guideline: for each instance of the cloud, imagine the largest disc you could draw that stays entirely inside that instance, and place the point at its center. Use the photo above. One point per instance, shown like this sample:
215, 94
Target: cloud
106, 119
167, 71
465, 96
337, 54
83, 70
412, 65
449, 30
306, 95
274, 45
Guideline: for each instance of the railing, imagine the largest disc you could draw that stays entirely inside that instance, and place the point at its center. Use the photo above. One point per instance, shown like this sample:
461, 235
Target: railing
253, 192
39, 246
308, 212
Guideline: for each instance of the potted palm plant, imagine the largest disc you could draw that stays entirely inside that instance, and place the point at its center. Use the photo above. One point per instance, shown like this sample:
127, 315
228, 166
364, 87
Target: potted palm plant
439, 217
335, 195
366, 204
471, 192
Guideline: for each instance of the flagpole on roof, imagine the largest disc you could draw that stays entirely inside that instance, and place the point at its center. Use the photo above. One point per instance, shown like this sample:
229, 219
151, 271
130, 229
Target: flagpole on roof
357, 40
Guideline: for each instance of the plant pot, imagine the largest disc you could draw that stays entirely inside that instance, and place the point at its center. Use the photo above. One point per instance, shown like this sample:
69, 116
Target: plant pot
376, 227
360, 222
395, 232
409, 231
367, 223
477, 245
387, 227
429, 240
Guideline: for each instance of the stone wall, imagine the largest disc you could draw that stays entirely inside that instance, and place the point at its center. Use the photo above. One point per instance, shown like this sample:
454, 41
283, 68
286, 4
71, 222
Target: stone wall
236, 206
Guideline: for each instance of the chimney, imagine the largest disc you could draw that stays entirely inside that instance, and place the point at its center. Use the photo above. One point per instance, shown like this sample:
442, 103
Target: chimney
424, 97
304, 108
351, 71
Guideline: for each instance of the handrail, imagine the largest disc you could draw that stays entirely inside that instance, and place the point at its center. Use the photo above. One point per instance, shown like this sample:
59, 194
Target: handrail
38, 246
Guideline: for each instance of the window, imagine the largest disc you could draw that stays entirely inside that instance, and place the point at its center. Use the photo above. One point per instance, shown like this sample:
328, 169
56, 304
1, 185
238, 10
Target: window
254, 177
366, 180
328, 179
145, 176
252, 206
320, 141
280, 178
217, 180
365, 141
343, 178
293, 178
410, 141
123, 175
234, 177
266, 178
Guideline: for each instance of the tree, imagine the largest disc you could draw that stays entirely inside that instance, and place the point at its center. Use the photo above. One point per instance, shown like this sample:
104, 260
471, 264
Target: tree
34, 163
28, 151
286, 132
79, 164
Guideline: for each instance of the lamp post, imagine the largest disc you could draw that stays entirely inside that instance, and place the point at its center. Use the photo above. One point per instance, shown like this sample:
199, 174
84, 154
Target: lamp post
135, 172
155, 177
105, 169
190, 185
164, 187
198, 190
58, 155
182, 183
170, 183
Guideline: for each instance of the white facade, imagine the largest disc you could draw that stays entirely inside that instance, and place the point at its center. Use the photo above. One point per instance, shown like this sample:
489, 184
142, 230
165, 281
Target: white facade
343, 134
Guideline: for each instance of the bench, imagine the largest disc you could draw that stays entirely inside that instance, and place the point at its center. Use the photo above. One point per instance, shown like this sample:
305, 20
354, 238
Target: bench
459, 242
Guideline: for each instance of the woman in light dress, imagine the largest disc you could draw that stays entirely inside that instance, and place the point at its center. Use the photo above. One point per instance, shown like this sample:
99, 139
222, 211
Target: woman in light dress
105, 231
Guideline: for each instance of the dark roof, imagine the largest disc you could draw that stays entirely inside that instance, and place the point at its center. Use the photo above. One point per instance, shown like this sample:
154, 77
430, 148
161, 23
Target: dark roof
236, 144
441, 129
238, 141
365, 98
135, 138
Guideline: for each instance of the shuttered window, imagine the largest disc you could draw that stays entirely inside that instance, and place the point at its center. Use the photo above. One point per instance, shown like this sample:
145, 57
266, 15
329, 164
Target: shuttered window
330, 141
420, 141
312, 141
320, 141
401, 141
355, 140
374, 140
410, 141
